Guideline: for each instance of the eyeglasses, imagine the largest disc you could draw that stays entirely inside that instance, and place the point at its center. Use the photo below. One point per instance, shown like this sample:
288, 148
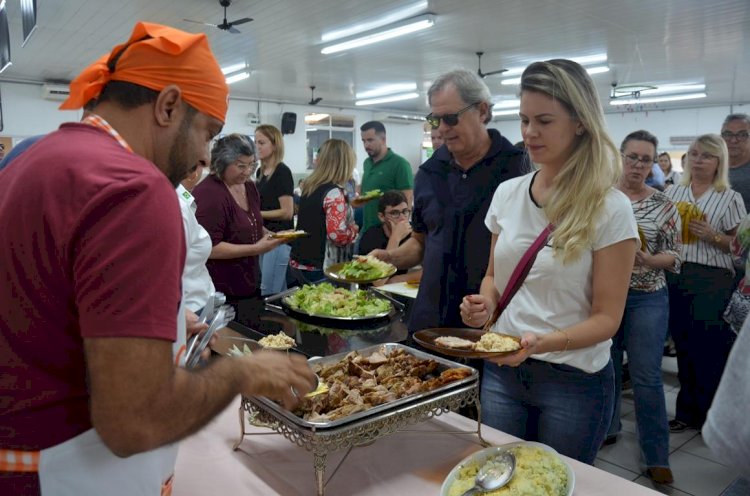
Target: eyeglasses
243, 167
703, 156
739, 136
632, 160
449, 119
395, 214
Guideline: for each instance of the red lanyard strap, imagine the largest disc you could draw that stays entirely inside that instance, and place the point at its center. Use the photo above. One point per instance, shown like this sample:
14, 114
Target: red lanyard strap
519, 275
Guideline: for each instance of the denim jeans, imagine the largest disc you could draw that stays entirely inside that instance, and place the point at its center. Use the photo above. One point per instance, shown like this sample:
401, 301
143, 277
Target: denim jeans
641, 334
273, 266
558, 405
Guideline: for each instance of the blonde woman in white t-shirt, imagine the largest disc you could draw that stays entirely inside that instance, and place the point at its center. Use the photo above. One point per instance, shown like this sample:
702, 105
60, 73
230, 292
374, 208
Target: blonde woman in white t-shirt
559, 388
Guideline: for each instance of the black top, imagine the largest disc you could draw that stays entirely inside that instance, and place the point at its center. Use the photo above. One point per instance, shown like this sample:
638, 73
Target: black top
450, 206
271, 188
312, 219
375, 238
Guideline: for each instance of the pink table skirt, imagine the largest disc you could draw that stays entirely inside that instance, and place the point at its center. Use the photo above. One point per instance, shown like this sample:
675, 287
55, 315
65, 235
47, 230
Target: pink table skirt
413, 463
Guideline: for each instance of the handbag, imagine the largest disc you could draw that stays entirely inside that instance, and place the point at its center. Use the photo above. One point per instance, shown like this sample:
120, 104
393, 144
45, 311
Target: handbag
519, 275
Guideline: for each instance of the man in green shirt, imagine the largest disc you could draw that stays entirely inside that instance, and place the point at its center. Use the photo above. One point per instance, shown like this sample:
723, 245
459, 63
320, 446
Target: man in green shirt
383, 170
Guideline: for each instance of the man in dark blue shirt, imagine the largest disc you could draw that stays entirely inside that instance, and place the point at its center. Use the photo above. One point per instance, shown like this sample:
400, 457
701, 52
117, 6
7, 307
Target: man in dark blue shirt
452, 192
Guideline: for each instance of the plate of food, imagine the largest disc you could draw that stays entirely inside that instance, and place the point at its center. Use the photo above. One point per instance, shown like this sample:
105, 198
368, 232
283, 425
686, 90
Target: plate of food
280, 342
288, 234
373, 194
539, 470
467, 343
362, 269
330, 302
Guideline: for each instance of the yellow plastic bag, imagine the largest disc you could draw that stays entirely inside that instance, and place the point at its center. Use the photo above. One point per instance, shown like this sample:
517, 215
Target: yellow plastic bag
688, 211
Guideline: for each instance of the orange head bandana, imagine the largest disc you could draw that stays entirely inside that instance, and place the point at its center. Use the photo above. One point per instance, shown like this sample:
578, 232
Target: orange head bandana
156, 56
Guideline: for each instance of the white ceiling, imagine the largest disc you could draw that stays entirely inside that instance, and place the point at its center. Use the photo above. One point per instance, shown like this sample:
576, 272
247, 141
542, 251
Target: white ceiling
647, 41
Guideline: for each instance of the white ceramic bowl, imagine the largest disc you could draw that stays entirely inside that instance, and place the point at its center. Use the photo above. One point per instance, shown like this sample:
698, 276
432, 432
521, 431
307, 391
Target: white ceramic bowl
486, 453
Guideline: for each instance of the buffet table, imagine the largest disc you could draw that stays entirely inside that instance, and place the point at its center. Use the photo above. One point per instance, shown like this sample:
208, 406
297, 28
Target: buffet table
413, 462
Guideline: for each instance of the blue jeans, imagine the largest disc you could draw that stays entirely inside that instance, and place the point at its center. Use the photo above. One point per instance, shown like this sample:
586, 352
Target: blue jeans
558, 405
642, 333
273, 270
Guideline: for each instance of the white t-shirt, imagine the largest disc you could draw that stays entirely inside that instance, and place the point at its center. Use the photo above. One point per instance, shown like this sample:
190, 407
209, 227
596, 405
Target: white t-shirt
553, 295
196, 281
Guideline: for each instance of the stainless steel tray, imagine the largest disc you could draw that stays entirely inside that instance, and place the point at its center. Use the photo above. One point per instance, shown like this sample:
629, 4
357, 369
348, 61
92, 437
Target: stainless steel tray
279, 301
443, 364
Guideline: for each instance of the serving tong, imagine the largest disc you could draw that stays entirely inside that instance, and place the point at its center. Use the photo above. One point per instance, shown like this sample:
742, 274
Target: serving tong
217, 315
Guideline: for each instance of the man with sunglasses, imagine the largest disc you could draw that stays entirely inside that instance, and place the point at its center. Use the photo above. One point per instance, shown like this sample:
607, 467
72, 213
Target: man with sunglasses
735, 131
452, 193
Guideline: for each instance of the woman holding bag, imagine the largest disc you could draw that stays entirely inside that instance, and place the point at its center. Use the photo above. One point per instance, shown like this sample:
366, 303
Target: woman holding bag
558, 388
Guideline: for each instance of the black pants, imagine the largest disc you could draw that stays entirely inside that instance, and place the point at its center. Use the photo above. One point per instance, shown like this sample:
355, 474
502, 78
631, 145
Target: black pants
248, 308
697, 299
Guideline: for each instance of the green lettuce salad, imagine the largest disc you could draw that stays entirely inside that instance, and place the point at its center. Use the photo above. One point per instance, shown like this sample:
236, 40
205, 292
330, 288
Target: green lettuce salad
366, 268
327, 300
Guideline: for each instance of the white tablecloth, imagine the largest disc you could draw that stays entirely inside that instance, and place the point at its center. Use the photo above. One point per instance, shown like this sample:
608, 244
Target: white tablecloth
405, 463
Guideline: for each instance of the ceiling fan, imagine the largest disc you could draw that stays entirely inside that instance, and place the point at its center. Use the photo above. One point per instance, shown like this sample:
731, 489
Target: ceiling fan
313, 100
485, 74
225, 26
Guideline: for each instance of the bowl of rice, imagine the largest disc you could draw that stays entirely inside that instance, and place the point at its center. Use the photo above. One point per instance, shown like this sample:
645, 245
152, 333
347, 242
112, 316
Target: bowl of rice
540, 471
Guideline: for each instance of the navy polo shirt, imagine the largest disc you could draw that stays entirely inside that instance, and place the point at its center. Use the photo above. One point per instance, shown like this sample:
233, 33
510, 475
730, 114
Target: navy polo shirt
450, 205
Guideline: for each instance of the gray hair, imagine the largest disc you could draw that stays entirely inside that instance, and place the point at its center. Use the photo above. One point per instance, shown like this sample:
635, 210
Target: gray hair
736, 117
227, 150
469, 85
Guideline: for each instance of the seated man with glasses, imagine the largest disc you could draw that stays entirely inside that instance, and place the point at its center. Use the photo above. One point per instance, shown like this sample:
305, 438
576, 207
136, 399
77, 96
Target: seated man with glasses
395, 229
735, 131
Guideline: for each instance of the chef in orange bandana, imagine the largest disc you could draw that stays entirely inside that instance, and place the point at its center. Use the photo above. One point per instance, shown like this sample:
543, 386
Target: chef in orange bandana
94, 402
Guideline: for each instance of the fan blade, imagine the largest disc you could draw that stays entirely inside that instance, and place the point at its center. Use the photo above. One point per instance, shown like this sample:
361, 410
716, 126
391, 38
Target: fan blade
241, 21
233, 29
492, 73
201, 22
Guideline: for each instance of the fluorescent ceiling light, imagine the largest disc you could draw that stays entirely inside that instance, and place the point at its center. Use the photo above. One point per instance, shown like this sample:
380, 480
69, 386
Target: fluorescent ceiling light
656, 99
589, 59
6, 66
506, 103
375, 24
399, 29
591, 70
674, 88
315, 117
233, 68
513, 111
238, 77
388, 90
386, 99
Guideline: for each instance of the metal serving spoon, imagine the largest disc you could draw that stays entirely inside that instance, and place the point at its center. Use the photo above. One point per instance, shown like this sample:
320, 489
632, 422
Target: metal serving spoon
494, 474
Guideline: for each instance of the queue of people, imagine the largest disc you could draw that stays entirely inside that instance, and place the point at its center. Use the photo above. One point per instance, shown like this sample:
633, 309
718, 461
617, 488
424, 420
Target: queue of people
562, 244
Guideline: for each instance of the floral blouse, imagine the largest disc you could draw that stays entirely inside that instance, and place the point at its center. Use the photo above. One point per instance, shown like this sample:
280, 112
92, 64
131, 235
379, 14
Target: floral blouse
659, 223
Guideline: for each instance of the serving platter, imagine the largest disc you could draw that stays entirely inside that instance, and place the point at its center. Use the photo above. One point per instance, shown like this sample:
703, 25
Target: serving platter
282, 300
482, 456
443, 364
288, 234
427, 337
333, 273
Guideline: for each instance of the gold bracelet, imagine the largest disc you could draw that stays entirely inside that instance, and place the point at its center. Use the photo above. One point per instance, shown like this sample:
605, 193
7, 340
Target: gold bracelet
567, 339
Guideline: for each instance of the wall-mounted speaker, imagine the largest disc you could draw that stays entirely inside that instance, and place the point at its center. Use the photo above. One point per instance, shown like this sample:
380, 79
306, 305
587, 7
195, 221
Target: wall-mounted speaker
288, 122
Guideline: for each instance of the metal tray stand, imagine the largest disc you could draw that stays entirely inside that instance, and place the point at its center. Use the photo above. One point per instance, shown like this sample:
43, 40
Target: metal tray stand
363, 431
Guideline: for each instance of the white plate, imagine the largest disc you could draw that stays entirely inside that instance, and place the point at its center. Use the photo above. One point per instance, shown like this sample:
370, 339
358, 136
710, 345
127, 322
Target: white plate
486, 453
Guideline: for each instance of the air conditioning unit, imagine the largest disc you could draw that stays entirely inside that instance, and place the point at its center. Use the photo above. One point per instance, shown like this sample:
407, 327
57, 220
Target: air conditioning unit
399, 118
252, 119
55, 92
681, 140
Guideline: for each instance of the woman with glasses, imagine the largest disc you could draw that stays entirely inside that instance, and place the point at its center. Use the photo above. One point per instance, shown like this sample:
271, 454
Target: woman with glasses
395, 229
698, 295
559, 387
276, 188
646, 318
325, 214
671, 176
229, 209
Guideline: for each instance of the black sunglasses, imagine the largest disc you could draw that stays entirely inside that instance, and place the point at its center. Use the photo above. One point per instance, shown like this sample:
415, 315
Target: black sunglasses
450, 119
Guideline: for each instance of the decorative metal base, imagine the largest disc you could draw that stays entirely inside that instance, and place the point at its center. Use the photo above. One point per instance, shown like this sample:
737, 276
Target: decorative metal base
361, 432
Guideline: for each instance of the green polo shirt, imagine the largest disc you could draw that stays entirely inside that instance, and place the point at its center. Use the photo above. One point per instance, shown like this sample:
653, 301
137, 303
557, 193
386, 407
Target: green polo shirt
392, 172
